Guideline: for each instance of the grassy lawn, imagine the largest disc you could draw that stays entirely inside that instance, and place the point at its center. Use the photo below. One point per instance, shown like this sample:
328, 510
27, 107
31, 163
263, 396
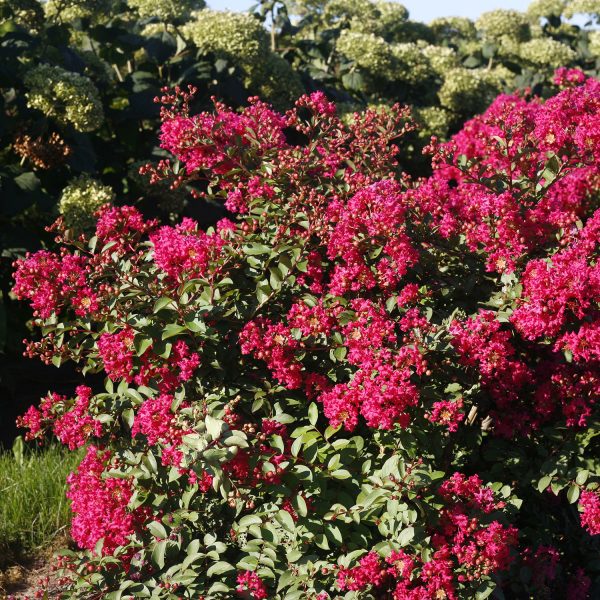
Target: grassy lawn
33, 507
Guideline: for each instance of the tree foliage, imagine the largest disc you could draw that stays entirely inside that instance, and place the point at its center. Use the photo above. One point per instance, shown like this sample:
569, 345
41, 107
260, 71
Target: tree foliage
362, 386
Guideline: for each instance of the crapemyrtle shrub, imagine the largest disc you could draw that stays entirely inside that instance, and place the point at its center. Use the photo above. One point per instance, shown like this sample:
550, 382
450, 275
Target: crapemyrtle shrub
359, 385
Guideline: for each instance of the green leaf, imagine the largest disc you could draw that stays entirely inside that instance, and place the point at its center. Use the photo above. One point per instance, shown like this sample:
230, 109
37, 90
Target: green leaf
284, 517
573, 494
158, 554
248, 520
171, 330
341, 474
141, 344
484, 590
406, 535
544, 482
300, 505
256, 249
313, 414
157, 530
219, 568
215, 427
161, 303
248, 563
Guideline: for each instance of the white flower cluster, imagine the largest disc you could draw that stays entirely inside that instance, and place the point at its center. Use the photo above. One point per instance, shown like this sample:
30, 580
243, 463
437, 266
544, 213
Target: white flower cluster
368, 51
546, 52
441, 58
450, 28
166, 10
410, 62
241, 39
382, 11
67, 97
468, 90
498, 24
594, 43
582, 7
432, 120
385, 19
81, 199
546, 8
231, 35
69, 10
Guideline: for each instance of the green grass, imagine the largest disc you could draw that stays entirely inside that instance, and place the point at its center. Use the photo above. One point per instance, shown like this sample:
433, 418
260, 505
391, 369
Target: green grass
33, 506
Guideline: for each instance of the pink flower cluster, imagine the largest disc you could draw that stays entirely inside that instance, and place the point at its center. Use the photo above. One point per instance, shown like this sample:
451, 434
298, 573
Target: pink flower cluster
99, 504
121, 226
204, 141
184, 252
447, 413
470, 490
118, 355
589, 503
381, 391
249, 581
116, 351
565, 290
373, 218
466, 550
481, 342
499, 217
71, 421
50, 282
273, 344
154, 419
564, 77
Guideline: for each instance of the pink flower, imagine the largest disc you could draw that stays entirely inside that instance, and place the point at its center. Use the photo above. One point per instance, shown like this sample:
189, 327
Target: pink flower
589, 503
184, 251
154, 419
369, 572
116, 351
372, 217
248, 581
74, 427
99, 504
448, 413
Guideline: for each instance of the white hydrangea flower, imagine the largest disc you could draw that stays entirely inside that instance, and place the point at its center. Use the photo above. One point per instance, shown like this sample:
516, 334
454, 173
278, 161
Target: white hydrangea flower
69, 10
594, 43
453, 27
467, 90
497, 24
546, 8
166, 10
432, 120
233, 35
65, 96
546, 52
411, 63
582, 7
368, 51
441, 58
385, 19
241, 39
379, 14
82, 197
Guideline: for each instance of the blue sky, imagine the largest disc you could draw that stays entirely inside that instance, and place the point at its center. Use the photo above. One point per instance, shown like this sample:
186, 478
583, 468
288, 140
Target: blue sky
423, 10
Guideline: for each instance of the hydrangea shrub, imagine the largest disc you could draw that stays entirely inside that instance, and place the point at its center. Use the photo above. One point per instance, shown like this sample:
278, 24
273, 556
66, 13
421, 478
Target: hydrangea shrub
358, 386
